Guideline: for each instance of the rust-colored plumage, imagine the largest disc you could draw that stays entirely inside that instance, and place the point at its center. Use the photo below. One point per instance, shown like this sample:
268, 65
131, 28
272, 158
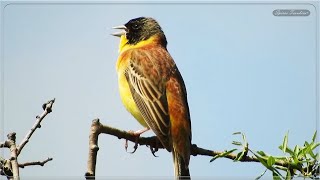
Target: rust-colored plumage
152, 88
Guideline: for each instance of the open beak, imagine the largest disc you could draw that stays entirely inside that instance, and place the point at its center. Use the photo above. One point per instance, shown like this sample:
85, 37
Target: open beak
120, 33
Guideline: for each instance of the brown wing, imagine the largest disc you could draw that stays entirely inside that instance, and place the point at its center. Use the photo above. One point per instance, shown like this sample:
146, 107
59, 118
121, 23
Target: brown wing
147, 86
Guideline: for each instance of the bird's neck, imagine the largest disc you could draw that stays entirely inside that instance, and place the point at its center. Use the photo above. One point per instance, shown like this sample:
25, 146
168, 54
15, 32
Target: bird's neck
154, 40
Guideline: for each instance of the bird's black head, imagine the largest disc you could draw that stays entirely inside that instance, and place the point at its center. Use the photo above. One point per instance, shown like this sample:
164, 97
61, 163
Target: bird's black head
142, 28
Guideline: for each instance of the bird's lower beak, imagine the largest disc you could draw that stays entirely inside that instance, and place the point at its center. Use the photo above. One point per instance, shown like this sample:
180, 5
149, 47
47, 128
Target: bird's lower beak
120, 33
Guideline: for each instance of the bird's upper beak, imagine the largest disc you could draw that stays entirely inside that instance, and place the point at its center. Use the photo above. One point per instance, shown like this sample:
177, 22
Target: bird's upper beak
120, 33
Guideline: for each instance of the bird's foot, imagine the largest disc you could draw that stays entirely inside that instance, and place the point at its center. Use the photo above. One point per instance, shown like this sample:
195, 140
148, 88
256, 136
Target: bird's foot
155, 148
137, 135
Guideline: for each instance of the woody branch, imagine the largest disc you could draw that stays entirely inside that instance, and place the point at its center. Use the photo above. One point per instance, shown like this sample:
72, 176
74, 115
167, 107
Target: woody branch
35, 163
152, 142
11, 144
47, 107
10, 167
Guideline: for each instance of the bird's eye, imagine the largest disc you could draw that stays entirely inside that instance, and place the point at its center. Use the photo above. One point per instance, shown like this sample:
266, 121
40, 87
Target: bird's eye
135, 26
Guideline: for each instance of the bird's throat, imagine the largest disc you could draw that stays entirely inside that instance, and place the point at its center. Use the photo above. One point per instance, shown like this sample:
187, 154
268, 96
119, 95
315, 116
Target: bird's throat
124, 43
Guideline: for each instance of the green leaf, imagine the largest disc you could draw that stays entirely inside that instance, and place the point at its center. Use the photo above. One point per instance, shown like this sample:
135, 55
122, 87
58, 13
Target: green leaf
222, 154
288, 150
315, 146
246, 147
215, 157
240, 156
288, 176
314, 137
244, 138
295, 159
261, 153
309, 151
237, 143
285, 143
278, 173
237, 157
306, 150
280, 167
265, 164
280, 158
296, 150
263, 161
307, 144
271, 161
276, 176
257, 178
235, 133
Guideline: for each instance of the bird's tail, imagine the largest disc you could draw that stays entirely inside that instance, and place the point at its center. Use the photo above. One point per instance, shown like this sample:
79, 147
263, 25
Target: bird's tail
181, 169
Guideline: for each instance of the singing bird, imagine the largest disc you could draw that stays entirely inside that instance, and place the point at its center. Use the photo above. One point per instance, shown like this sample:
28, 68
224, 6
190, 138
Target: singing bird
152, 89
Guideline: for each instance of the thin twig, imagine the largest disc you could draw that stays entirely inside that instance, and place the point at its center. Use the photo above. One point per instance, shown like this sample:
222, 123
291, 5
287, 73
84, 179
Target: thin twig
5, 166
35, 163
47, 107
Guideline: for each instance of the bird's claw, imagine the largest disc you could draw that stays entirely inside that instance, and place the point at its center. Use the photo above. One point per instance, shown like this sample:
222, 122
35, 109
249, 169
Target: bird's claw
135, 147
154, 148
126, 145
153, 151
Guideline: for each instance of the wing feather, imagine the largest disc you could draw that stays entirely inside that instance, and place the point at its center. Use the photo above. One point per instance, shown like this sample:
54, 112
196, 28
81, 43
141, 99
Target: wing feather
150, 100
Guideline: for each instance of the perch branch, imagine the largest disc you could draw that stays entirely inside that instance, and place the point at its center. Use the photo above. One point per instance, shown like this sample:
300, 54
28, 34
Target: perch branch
47, 107
39, 163
152, 142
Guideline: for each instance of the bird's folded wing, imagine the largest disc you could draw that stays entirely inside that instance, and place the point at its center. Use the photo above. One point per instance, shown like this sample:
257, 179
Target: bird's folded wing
151, 101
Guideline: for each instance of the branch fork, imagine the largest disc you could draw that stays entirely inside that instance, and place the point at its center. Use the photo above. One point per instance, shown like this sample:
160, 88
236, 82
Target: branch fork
10, 167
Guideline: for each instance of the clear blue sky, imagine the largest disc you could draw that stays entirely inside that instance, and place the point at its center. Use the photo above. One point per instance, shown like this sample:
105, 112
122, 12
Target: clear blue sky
245, 70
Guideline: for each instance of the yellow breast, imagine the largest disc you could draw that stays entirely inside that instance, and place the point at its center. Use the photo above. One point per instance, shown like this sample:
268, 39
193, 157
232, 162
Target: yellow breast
121, 66
125, 93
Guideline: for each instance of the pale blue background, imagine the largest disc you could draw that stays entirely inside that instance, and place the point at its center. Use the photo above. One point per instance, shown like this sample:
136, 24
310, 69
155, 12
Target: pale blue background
245, 70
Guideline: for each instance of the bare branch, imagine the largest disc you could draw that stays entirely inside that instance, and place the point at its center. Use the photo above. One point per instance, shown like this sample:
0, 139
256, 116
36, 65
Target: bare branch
39, 163
47, 107
11, 144
10, 167
95, 130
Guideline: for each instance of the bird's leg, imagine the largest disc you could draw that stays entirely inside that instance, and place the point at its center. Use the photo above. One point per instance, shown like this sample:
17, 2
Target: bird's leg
137, 134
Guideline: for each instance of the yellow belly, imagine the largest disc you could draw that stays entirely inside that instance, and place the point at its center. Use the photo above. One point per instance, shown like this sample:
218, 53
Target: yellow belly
127, 99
